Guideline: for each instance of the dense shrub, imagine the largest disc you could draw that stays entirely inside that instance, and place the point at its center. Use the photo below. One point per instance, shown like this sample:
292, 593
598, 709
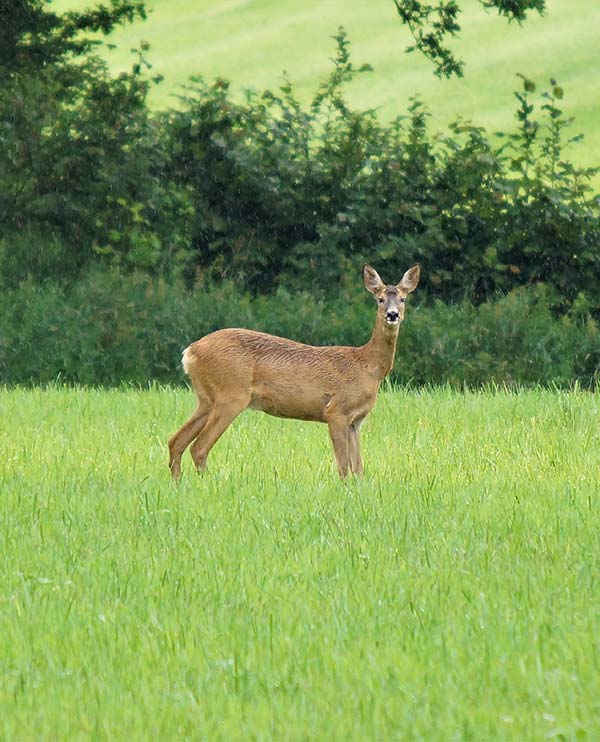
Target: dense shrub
110, 328
300, 196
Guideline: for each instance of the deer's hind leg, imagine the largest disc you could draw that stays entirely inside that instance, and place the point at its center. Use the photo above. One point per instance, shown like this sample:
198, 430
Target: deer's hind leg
184, 436
220, 417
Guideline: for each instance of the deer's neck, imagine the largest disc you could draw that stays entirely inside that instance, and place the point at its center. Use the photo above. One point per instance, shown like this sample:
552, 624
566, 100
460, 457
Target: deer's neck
379, 352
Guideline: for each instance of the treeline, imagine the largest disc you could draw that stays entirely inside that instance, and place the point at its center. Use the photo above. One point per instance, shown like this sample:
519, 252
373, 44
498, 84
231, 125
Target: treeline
275, 198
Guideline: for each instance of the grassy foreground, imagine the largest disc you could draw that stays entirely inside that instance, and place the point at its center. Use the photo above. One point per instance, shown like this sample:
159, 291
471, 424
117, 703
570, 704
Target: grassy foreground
450, 594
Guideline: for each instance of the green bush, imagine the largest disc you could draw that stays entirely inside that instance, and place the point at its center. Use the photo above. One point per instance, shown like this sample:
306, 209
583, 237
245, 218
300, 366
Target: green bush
110, 328
302, 196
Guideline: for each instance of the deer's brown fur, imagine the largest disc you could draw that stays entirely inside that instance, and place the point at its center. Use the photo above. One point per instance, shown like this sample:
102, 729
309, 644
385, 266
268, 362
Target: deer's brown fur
234, 369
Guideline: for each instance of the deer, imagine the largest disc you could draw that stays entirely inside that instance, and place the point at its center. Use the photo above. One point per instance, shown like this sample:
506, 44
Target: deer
235, 369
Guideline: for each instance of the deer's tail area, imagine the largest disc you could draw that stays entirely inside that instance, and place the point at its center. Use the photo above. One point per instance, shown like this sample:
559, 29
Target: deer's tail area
187, 360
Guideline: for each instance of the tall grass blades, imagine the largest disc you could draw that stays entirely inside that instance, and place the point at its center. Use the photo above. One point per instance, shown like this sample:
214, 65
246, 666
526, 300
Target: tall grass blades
450, 594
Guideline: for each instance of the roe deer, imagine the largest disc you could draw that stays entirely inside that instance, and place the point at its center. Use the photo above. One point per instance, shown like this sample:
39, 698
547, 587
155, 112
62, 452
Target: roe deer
233, 369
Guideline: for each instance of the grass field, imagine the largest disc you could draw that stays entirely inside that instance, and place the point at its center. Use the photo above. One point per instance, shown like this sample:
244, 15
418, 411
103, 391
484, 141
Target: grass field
252, 41
452, 594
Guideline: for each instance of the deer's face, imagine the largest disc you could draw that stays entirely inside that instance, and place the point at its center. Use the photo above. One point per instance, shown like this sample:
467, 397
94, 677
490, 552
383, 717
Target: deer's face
391, 299
390, 305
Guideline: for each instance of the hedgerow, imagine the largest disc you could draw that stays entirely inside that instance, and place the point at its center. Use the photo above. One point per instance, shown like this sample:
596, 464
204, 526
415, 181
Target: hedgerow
109, 328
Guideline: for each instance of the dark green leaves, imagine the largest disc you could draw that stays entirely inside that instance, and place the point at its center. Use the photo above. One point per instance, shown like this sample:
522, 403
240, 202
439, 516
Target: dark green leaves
432, 25
429, 26
515, 10
32, 36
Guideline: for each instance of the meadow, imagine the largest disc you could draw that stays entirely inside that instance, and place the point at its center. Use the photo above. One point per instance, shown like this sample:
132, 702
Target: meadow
451, 594
252, 42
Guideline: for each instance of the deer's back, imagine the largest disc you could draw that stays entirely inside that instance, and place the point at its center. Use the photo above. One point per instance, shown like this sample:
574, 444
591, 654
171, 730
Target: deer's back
238, 347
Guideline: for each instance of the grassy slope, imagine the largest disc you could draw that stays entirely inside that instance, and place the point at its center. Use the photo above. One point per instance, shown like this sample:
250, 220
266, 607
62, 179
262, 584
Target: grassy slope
451, 594
252, 42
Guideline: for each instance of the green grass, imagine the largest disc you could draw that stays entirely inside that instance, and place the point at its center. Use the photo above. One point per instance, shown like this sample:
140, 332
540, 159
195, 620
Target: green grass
251, 43
451, 594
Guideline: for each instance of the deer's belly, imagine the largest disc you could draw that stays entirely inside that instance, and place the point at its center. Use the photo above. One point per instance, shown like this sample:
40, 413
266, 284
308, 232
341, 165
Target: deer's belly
300, 405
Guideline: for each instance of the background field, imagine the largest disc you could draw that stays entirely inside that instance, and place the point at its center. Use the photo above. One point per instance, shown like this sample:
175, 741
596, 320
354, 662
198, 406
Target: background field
252, 41
450, 594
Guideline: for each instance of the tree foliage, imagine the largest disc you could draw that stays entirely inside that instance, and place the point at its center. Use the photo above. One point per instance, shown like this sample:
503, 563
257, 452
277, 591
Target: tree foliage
32, 36
431, 26
80, 159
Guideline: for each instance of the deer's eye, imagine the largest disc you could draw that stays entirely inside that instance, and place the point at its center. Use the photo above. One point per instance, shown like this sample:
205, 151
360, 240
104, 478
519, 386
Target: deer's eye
380, 300
402, 300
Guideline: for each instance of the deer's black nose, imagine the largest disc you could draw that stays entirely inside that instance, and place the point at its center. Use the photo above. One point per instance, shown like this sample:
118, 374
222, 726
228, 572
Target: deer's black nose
391, 316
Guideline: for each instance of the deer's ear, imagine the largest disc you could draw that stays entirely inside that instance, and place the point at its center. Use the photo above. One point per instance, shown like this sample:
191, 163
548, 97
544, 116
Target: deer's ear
373, 282
410, 280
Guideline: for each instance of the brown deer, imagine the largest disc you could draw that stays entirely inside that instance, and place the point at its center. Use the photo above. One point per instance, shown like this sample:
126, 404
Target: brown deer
233, 369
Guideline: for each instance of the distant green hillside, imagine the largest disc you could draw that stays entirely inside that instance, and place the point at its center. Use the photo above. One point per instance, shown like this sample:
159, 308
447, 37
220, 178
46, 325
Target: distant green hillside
251, 42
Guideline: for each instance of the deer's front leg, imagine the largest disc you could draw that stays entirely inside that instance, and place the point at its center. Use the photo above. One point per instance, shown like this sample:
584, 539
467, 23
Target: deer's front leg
356, 464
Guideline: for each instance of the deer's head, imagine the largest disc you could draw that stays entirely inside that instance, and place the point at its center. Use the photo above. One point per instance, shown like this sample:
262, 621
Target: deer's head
391, 299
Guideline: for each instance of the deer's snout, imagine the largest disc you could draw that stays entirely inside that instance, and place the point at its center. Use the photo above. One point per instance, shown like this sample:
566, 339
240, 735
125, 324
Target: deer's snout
391, 316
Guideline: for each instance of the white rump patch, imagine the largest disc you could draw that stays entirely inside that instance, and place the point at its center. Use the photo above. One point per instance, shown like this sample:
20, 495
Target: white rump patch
186, 360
